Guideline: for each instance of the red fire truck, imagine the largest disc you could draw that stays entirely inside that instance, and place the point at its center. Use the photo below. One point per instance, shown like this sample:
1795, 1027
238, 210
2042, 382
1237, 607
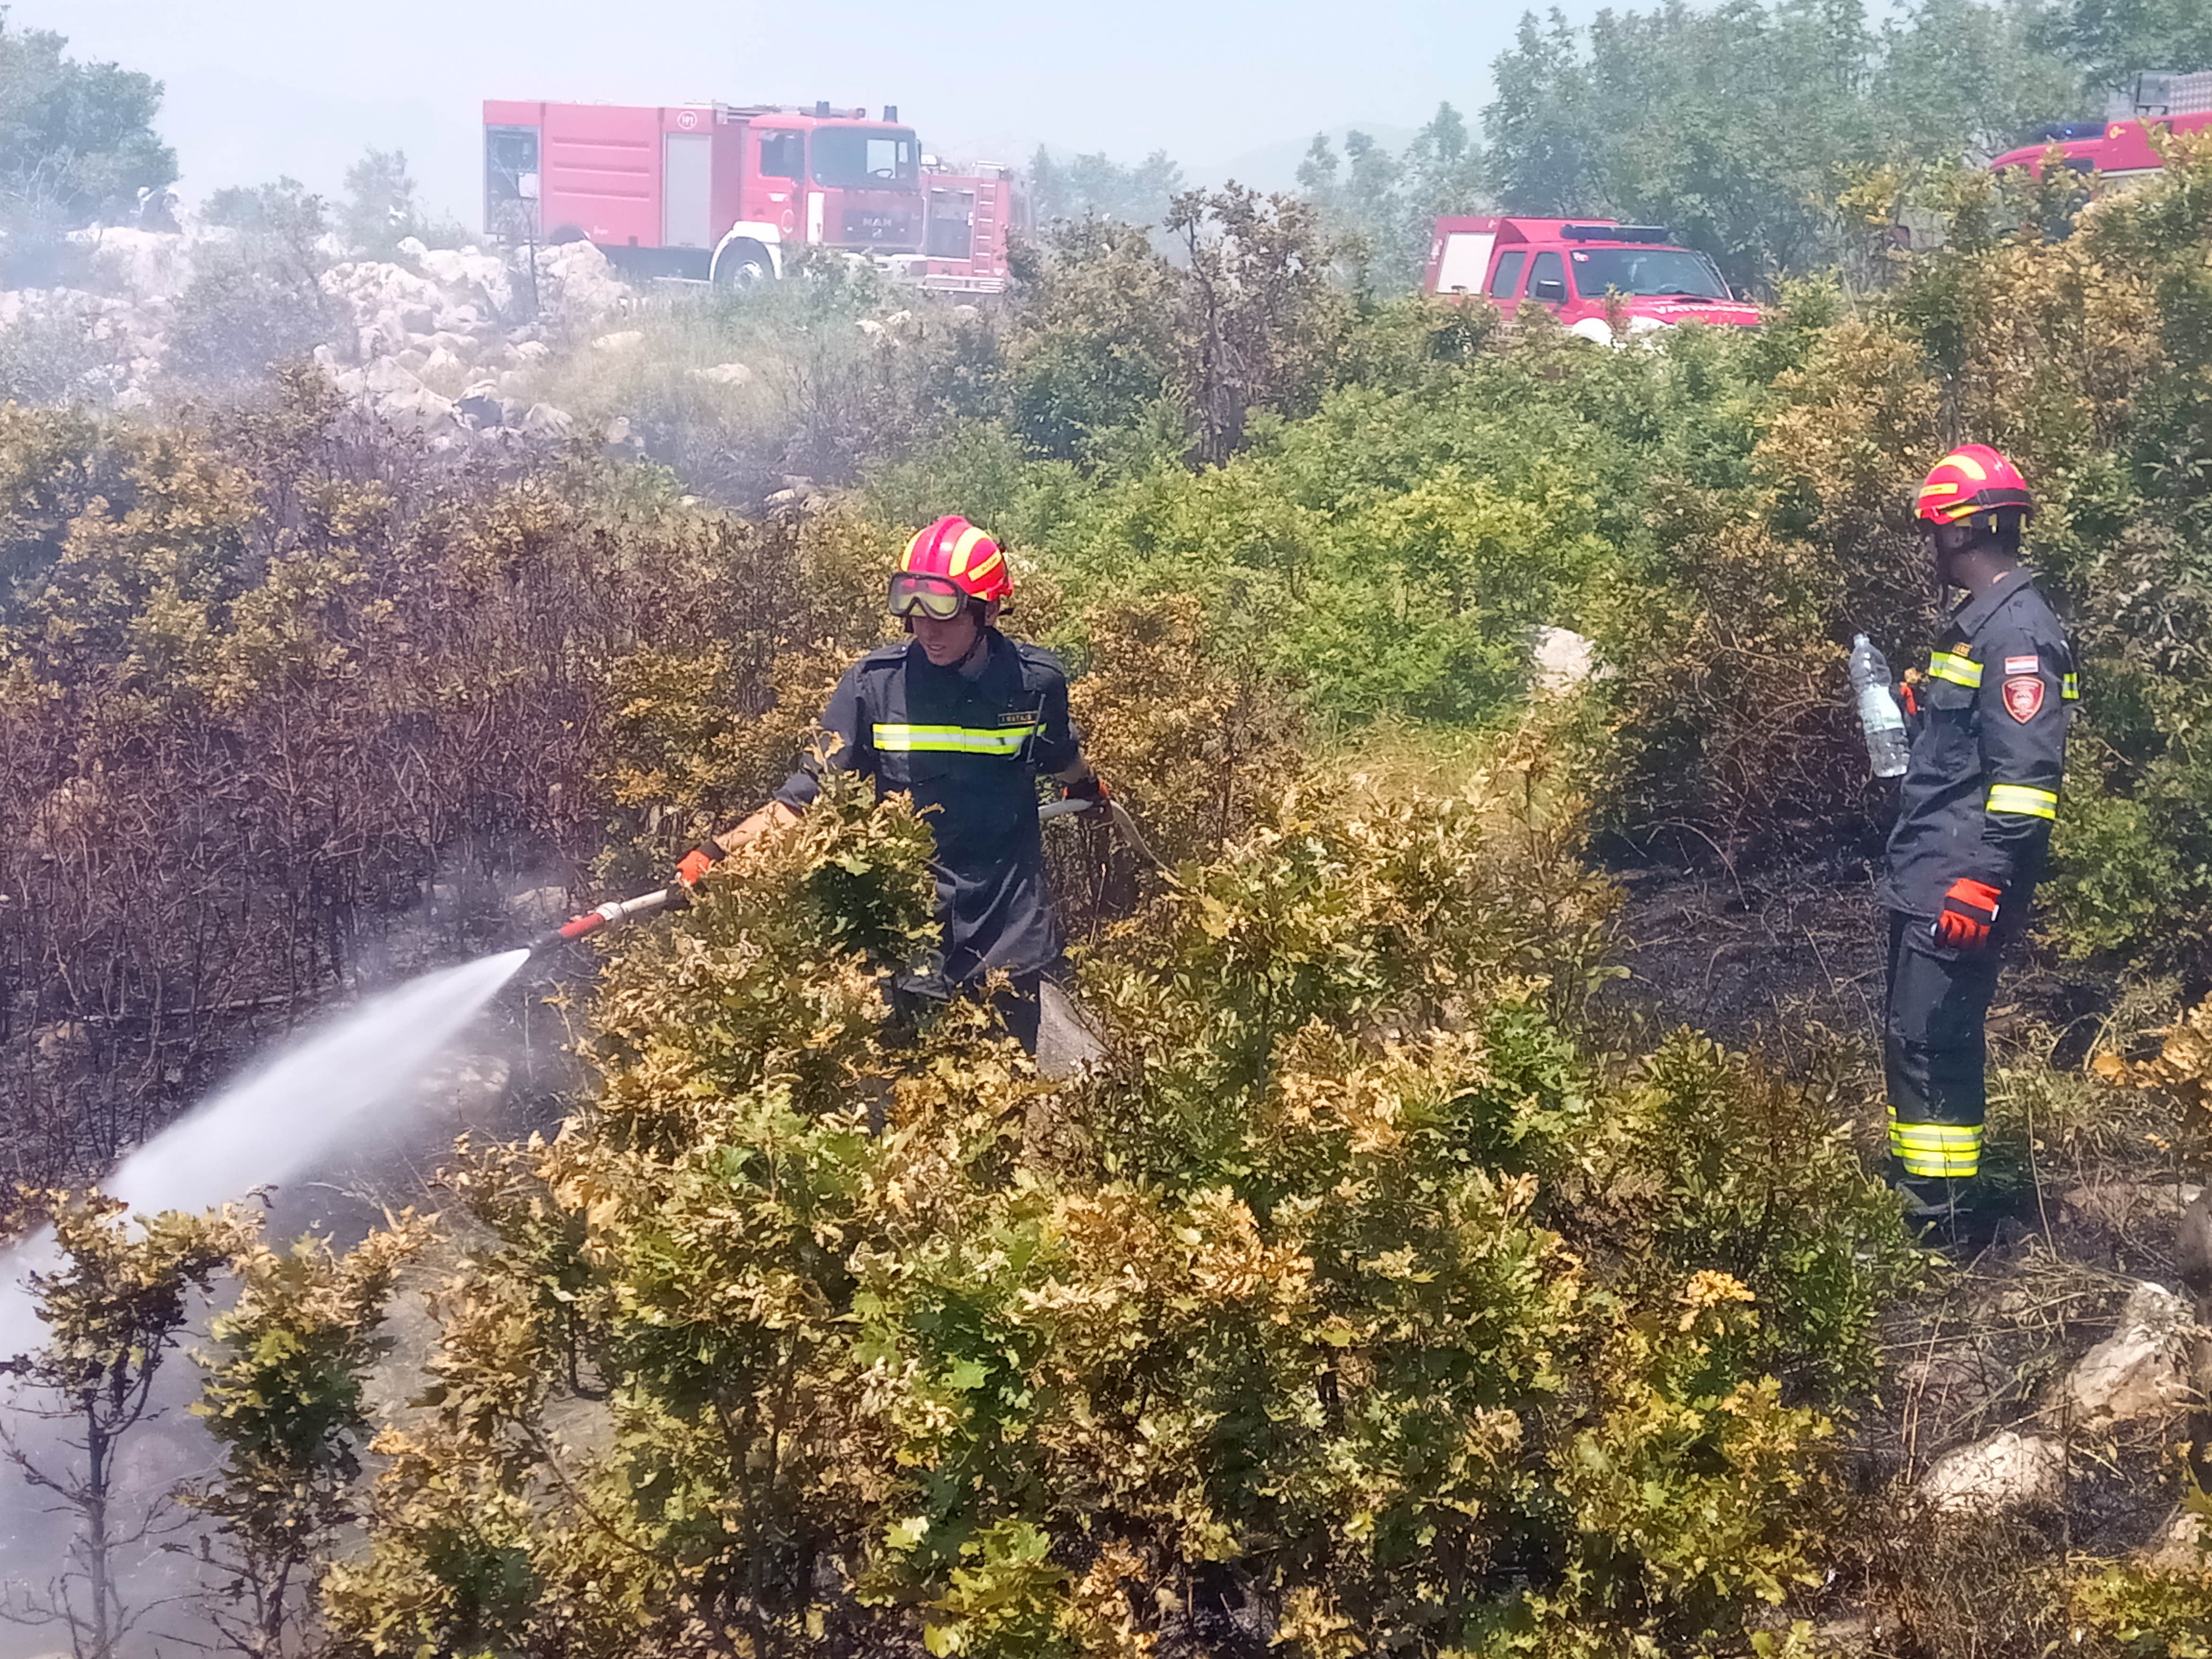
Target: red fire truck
2116, 151
715, 192
1575, 268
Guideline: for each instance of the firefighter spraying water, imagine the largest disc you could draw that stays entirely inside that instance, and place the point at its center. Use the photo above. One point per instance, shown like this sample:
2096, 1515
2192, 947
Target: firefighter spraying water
966, 721
961, 716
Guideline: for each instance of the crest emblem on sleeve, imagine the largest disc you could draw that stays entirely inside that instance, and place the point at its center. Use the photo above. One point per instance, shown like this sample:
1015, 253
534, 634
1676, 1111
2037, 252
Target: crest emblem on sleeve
2023, 697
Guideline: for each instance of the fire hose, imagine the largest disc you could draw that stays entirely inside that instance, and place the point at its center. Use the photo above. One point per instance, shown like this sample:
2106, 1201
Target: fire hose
617, 912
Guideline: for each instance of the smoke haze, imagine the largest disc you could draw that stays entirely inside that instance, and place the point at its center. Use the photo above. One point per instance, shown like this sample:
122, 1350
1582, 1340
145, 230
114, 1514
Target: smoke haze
256, 87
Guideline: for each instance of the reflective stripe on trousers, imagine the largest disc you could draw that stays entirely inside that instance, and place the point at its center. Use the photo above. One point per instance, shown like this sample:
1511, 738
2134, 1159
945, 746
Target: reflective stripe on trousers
1936, 1149
1935, 1052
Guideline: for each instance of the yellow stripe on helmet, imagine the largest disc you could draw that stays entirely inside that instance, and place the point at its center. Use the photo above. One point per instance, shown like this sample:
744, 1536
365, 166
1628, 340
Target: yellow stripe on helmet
1967, 465
964, 549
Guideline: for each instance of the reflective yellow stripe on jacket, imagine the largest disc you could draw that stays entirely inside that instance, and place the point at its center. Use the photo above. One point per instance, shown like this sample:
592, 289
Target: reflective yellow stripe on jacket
1936, 1149
2027, 802
2069, 688
954, 739
1959, 671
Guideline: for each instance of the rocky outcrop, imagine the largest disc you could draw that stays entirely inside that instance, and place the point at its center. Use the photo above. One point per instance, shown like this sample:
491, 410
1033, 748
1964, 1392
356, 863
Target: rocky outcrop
2180, 1545
2139, 1371
2006, 1471
411, 338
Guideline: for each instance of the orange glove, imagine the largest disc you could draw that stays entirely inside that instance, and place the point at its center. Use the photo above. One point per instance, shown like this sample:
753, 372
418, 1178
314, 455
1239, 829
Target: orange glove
695, 864
1970, 911
1094, 790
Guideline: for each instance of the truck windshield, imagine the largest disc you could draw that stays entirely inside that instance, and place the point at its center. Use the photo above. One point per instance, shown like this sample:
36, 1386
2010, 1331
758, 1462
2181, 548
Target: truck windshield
855, 157
1651, 272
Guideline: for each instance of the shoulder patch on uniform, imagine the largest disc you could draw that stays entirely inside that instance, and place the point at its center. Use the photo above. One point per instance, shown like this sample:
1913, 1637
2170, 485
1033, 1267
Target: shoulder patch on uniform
2023, 696
2028, 664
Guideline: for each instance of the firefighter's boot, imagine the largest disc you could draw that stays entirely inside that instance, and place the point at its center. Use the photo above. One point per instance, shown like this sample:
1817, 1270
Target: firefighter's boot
1946, 1211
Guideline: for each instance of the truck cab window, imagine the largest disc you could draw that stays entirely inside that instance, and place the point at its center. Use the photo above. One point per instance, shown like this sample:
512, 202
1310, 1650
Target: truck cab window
782, 155
1547, 279
1506, 280
858, 157
1651, 272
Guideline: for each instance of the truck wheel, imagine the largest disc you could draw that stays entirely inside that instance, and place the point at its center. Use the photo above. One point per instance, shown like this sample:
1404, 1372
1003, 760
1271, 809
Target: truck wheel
566, 234
744, 264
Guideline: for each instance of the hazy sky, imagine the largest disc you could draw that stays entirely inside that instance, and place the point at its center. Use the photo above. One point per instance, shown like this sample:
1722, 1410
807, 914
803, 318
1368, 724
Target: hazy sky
260, 87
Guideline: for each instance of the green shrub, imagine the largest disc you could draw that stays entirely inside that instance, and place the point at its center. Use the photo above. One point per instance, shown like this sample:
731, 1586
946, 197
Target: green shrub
2121, 880
245, 314
1353, 1290
56, 355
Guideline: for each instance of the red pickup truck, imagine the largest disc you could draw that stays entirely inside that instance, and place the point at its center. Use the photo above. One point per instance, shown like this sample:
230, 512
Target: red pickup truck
1574, 267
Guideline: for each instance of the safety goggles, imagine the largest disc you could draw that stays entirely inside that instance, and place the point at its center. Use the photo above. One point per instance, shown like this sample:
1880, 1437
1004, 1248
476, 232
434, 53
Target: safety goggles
938, 597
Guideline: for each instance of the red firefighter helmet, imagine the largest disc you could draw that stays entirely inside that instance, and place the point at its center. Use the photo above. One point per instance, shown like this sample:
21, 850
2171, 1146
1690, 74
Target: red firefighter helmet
1973, 478
956, 550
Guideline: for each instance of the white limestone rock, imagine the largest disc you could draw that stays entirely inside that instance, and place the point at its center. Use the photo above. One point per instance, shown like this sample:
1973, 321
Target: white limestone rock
543, 421
421, 408
2139, 1371
384, 375
2179, 1546
143, 264
2006, 1471
576, 286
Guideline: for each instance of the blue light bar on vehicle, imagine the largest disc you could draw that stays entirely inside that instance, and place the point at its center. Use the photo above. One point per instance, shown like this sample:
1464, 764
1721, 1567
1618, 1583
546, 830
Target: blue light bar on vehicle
1616, 233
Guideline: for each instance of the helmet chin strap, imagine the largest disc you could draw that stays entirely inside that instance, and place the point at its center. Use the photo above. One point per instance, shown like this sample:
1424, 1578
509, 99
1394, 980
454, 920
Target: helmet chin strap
974, 647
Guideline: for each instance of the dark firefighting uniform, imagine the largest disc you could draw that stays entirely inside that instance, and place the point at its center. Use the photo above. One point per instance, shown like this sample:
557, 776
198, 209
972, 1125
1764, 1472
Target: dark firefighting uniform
1979, 799
968, 747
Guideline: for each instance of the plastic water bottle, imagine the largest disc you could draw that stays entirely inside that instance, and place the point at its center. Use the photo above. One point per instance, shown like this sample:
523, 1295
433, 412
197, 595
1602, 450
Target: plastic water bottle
1880, 718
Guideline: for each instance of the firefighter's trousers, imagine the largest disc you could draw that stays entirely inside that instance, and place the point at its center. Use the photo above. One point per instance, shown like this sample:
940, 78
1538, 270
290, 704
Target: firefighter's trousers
1019, 1004
1935, 1052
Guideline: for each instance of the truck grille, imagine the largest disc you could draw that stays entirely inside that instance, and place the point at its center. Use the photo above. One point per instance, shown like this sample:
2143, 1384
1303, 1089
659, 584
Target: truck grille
879, 228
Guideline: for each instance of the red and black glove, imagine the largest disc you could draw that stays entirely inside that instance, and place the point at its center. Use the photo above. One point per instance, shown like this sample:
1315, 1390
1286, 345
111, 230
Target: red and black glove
695, 864
1094, 790
1970, 911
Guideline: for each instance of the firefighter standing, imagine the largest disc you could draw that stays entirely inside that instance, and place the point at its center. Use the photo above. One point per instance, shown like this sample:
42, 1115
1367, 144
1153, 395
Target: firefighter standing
1979, 797
965, 719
